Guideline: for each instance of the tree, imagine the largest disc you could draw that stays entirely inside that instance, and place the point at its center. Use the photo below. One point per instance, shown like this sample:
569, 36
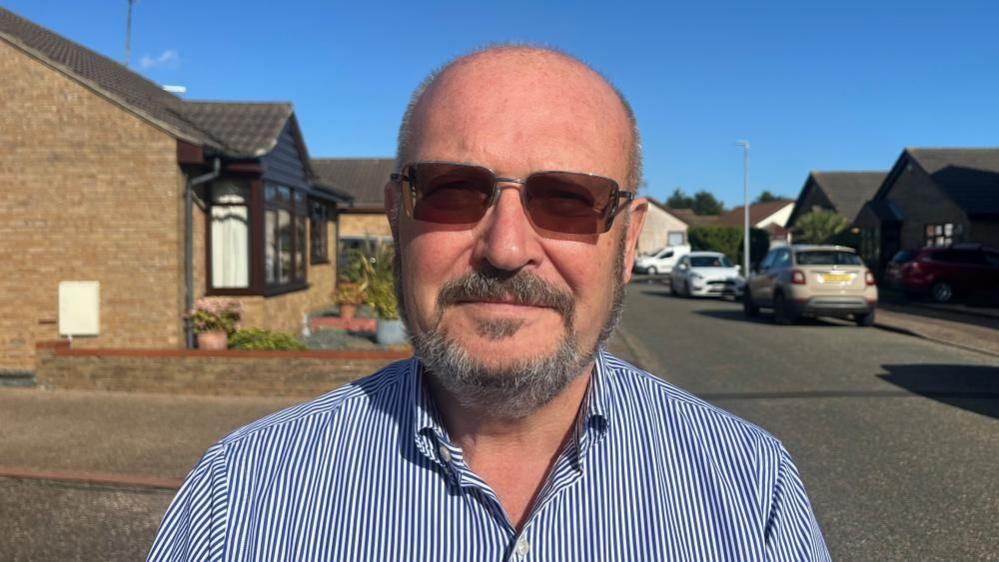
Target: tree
819, 226
728, 240
679, 200
706, 204
767, 197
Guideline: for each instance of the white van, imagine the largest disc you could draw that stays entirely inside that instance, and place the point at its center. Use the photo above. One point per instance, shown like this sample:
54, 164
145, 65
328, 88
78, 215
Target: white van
661, 261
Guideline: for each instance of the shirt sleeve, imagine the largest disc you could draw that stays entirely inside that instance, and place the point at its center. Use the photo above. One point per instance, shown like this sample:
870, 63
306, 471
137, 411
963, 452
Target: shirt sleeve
792, 533
194, 525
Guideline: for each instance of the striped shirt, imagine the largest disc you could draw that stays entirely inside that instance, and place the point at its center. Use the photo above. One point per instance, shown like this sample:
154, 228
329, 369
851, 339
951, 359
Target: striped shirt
367, 472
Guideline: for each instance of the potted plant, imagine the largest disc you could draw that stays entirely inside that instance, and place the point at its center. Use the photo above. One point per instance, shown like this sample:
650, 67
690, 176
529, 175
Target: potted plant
349, 295
215, 320
381, 295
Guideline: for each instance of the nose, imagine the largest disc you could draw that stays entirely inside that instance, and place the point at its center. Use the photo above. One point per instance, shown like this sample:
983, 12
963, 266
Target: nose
507, 240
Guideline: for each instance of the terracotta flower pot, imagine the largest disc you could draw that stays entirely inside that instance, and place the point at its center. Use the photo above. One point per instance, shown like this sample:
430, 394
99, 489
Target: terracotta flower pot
348, 311
213, 340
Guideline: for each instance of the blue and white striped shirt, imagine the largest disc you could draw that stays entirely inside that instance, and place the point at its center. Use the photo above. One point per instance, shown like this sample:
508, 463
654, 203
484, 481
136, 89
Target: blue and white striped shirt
367, 472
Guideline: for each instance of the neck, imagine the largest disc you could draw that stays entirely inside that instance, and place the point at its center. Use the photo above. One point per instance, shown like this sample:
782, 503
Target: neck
543, 431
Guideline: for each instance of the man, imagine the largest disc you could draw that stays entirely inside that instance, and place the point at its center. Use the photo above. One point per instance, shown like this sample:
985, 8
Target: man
511, 435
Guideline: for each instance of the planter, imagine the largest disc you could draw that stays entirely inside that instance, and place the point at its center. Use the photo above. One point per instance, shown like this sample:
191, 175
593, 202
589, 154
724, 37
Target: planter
390, 332
348, 311
213, 340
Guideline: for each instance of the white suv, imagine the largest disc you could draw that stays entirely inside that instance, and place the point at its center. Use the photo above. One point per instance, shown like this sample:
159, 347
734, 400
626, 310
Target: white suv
807, 280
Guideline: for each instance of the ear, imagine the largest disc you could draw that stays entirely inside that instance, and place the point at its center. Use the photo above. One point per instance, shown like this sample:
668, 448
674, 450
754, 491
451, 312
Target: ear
638, 209
392, 199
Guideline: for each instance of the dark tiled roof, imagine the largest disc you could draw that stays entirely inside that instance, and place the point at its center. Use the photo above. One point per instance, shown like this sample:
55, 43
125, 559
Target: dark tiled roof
969, 175
101, 73
245, 129
757, 212
362, 178
238, 129
848, 191
692, 219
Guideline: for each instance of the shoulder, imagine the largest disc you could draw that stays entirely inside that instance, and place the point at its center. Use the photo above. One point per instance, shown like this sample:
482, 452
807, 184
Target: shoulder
362, 394
685, 412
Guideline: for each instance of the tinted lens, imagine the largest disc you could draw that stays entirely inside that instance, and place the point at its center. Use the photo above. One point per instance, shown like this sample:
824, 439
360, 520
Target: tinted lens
449, 193
570, 203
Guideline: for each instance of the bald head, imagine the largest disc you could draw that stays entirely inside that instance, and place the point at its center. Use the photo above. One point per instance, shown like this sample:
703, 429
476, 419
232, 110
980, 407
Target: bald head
542, 100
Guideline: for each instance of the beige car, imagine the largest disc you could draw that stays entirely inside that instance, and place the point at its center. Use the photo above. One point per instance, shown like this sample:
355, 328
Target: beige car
807, 280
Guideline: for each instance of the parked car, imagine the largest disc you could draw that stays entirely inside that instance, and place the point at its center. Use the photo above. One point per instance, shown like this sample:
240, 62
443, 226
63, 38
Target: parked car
812, 280
946, 273
660, 261
702, 274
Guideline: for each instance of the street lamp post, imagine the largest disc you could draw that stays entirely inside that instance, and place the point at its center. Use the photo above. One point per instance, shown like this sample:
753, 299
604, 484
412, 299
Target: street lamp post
745, 207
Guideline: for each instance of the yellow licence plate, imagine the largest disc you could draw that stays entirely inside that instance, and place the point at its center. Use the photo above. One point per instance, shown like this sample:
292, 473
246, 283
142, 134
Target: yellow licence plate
835, 277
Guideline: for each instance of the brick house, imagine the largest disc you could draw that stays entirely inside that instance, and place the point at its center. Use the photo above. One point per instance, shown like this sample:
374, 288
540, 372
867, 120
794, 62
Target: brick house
933, 197
363, 179
95, 166
843, 193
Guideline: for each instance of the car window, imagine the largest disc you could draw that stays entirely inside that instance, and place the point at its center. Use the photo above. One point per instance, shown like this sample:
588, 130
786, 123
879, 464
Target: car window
958, 256
668, 254
710, 261
767, 260
828, 257
904, 256
781, 259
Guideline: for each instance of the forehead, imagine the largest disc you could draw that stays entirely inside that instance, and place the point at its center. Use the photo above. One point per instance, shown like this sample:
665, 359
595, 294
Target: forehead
523, 112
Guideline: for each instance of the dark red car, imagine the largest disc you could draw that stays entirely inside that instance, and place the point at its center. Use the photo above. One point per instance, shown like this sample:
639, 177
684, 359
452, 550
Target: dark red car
946, 273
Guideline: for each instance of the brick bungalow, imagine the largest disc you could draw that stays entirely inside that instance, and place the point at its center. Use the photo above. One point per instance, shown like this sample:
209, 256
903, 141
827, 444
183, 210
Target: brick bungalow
933, 197
363, 179
96, 163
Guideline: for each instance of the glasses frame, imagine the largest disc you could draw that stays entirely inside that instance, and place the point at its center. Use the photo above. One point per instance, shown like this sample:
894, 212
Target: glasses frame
411, 196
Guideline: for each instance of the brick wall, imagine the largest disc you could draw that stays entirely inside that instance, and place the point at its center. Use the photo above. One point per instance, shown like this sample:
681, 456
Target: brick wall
922, 203
224, 373
88, 191
364, 224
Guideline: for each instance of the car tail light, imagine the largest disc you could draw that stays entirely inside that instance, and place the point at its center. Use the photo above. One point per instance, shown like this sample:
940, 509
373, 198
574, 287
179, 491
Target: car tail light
868, 277
797, 277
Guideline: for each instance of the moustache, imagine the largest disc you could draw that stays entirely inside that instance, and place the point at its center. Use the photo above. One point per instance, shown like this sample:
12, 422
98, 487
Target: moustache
519, 287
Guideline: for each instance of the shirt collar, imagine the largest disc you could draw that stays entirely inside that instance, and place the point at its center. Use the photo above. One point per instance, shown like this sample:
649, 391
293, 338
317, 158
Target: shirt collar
590, 427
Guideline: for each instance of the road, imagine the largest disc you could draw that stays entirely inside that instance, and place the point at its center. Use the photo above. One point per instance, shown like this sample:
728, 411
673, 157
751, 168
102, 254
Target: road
897, 438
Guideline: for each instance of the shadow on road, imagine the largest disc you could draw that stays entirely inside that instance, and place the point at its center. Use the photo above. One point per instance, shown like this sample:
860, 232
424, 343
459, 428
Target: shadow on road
970, 387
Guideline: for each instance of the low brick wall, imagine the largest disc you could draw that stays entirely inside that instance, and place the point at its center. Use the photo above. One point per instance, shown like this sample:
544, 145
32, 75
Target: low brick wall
226, 373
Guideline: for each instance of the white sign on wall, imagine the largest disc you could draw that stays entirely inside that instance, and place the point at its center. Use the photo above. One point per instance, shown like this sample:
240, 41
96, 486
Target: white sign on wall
79, 308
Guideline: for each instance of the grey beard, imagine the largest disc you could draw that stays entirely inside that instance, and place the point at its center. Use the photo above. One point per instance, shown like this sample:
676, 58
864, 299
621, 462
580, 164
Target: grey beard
520, 388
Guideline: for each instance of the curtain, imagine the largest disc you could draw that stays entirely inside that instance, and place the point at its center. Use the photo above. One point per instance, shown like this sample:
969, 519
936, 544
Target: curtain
230, 247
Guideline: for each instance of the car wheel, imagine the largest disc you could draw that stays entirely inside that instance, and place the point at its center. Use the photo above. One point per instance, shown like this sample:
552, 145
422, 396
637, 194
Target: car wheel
782, 315
748, 306
652, 270
864, 319
941, 291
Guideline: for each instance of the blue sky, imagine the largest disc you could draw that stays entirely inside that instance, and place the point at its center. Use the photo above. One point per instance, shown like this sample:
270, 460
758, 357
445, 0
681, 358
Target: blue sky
813, 86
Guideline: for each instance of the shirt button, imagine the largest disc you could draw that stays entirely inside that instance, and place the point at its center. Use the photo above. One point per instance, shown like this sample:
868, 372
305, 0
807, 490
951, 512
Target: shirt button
523, 547
445, 453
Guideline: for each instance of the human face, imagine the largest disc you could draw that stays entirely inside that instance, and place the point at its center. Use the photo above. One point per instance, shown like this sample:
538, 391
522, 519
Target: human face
563, 118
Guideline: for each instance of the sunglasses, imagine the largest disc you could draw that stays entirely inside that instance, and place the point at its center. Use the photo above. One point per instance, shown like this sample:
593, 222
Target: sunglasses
560, 202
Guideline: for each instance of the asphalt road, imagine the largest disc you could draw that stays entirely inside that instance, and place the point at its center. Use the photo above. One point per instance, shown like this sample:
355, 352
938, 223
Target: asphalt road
897, 438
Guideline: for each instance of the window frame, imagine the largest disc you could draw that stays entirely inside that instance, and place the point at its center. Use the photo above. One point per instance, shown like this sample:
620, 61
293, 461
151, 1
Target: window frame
257, 208
319, 222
